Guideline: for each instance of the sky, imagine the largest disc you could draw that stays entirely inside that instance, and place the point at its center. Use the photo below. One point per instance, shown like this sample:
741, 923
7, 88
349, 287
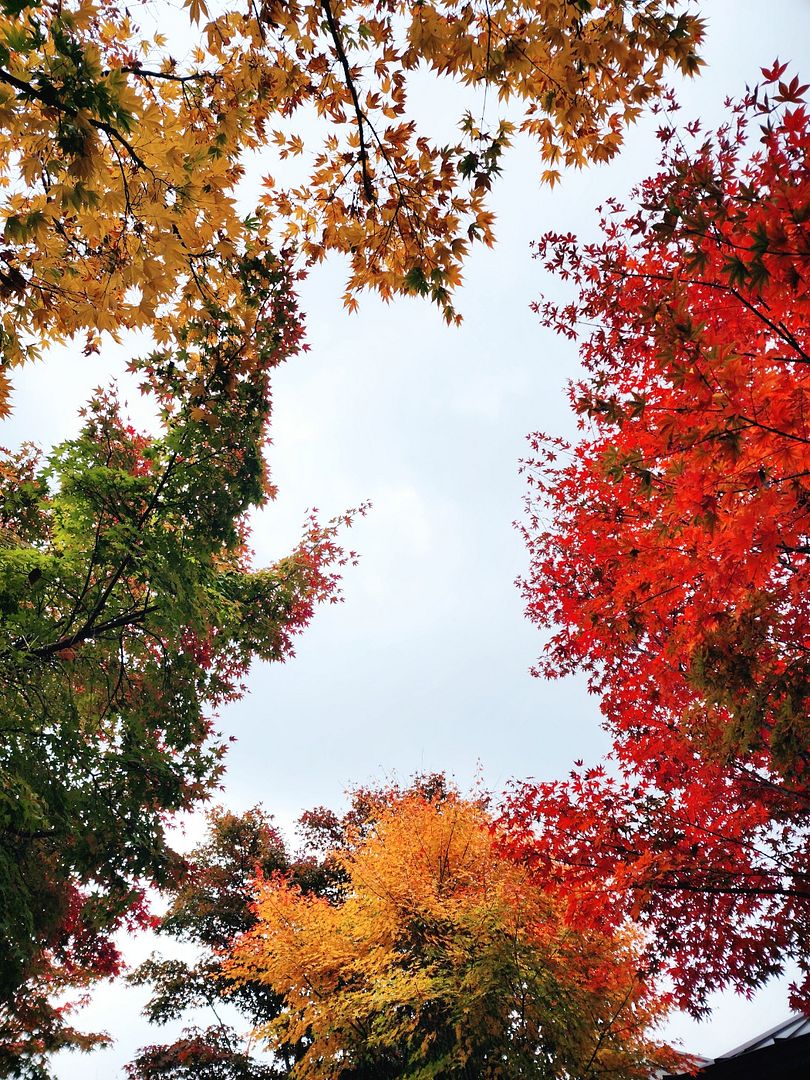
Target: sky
425, 664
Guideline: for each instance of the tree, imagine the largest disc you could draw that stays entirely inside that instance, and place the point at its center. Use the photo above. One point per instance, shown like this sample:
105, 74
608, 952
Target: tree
210, 905
129, 613
212, 1054
442, 958
72, 953
122, 165
675, 569
213, 902
713, 872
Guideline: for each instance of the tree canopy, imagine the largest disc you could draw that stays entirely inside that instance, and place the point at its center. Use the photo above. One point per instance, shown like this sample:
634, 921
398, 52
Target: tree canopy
669, 551
419, 934
122, 164
442, 958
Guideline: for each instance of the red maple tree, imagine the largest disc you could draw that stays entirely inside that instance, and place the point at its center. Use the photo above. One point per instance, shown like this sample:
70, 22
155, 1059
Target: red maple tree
670, 552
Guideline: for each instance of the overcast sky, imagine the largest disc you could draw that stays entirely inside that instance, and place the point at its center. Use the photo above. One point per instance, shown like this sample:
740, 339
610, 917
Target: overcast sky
425, 665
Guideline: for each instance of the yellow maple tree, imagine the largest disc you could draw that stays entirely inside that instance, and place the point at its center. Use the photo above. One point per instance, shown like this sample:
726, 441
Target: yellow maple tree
121, 165
442, 958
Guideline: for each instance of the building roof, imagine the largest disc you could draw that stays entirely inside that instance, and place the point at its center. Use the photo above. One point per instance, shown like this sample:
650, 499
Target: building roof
781, 1052
792, 1028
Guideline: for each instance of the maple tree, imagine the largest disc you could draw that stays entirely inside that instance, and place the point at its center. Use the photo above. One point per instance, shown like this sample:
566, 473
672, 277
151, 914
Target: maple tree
73, 953
441, 958
129, 613
213, 901
676, 564
209, 906
122, 166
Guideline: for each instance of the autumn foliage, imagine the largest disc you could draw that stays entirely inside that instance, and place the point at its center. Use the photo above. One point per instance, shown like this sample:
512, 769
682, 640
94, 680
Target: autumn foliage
416, 935
122, 166
670, 552
131, 612
442, 958
212, 902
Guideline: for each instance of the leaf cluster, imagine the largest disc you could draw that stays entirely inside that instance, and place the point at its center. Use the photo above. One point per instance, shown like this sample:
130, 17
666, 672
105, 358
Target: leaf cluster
129, 613
443, 959
121, 167
670, 550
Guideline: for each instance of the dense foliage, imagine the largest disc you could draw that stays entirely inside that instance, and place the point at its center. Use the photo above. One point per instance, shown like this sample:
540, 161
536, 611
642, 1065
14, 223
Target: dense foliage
123, 165
442, 958
670, 553
213, 902
129, 612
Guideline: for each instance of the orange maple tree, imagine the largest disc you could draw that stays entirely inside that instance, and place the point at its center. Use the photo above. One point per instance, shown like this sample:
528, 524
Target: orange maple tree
122, 165
670, 552
441, 957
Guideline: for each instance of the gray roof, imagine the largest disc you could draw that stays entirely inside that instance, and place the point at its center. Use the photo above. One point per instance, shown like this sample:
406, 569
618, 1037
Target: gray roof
792, 1028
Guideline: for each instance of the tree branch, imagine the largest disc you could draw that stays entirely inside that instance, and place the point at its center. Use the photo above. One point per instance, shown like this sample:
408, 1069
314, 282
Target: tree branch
334, 30
48, 96
91, 631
